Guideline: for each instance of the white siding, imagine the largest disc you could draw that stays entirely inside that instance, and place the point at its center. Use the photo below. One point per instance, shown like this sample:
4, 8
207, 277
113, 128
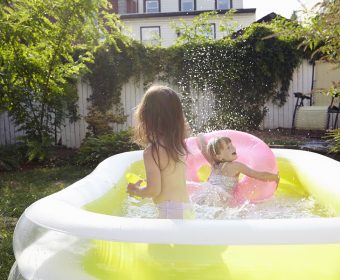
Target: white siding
168, 34
238, 4
242, 20
140, 6
169, 6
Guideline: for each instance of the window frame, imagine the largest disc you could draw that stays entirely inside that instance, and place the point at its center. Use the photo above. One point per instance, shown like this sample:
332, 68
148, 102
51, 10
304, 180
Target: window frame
149, 26
136, 12
180, 6
144, 6
230, 5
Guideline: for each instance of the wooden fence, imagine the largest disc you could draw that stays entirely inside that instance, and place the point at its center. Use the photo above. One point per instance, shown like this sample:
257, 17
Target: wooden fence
72, 133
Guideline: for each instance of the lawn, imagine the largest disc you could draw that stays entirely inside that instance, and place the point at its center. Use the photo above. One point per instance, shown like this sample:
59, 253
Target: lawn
20, 189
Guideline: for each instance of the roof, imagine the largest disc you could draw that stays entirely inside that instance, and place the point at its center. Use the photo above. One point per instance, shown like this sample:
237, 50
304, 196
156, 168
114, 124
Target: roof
266, 18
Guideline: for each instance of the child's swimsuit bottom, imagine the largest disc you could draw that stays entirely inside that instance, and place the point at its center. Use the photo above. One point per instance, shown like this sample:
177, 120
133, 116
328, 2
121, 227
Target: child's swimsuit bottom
175, 210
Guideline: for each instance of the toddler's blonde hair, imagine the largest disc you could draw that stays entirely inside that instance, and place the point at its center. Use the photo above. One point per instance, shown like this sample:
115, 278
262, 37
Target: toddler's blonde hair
215, 145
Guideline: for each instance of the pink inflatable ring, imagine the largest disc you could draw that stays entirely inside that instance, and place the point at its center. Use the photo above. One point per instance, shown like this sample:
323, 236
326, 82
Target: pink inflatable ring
251, 151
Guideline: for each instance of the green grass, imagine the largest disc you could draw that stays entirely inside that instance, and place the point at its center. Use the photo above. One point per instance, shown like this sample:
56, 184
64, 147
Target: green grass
20, 189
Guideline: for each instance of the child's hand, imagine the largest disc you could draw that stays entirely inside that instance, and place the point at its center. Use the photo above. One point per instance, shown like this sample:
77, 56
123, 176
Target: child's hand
132, 189
202, 145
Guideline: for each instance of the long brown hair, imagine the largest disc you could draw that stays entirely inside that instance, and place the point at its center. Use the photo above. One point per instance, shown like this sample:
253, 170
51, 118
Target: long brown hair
160, 122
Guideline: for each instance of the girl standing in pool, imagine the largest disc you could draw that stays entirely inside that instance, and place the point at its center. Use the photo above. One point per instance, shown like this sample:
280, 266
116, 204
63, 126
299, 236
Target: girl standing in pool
161, 129
221, 154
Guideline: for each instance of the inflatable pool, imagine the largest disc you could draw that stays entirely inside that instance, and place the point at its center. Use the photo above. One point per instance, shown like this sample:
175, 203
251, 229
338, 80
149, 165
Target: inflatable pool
79, 233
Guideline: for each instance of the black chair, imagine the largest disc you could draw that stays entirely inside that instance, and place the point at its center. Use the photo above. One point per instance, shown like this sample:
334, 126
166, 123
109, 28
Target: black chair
317, 115
334, 109
300, 98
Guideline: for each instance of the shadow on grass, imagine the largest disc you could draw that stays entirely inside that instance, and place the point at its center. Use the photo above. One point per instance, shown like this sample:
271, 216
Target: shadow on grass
20, 189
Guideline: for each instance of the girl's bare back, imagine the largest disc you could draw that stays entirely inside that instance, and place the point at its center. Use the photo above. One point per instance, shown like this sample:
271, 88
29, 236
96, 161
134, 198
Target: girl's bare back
168, 175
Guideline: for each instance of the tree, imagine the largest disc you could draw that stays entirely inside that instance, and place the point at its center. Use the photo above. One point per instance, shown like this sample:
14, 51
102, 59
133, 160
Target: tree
322, 34
199, 30
319, 32
45, 46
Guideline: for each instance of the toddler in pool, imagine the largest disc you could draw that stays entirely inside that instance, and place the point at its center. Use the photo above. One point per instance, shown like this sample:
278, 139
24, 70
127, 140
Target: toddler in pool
222, 155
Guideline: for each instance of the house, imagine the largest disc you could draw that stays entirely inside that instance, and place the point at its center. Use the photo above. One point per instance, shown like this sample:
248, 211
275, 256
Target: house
151, 21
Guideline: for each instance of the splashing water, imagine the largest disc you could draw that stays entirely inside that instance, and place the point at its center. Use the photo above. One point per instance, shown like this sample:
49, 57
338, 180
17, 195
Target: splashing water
278, 207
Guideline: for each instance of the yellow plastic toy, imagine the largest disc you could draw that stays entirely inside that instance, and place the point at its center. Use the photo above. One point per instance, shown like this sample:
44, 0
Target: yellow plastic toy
133, 179
203, 172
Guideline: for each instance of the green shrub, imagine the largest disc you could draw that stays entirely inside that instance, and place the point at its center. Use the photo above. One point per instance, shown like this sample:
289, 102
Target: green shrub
12, 156
240, 74
38, 149
334, 137
95, 149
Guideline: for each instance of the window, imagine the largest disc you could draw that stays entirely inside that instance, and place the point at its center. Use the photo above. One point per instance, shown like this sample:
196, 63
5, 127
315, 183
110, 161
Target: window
150, 35
131, 7
114, 6
128, 7
187, 5
223, 4
151, 6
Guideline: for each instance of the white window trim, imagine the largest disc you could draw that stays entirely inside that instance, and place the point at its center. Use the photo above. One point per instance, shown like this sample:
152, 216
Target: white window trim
146, 27
181, 5
145, 6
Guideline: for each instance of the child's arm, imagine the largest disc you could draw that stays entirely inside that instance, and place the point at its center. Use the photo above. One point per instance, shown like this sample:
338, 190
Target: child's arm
202, 145
260, 175
153, 178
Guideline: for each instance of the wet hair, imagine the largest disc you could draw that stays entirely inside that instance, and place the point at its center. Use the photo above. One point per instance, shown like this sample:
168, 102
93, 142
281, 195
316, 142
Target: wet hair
160, 122
214, 147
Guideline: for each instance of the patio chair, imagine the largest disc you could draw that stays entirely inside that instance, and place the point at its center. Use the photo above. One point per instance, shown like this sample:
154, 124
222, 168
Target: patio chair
318, 115
334, 108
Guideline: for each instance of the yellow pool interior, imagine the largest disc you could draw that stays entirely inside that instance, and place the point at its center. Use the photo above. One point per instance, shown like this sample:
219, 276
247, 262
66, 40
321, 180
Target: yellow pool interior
141, 261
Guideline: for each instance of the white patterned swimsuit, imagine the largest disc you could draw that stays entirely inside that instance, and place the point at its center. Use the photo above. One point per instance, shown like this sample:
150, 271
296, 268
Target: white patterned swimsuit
227, 183
218, 189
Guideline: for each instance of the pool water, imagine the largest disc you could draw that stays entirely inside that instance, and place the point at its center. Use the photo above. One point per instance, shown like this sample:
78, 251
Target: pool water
290, 201
278, 207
